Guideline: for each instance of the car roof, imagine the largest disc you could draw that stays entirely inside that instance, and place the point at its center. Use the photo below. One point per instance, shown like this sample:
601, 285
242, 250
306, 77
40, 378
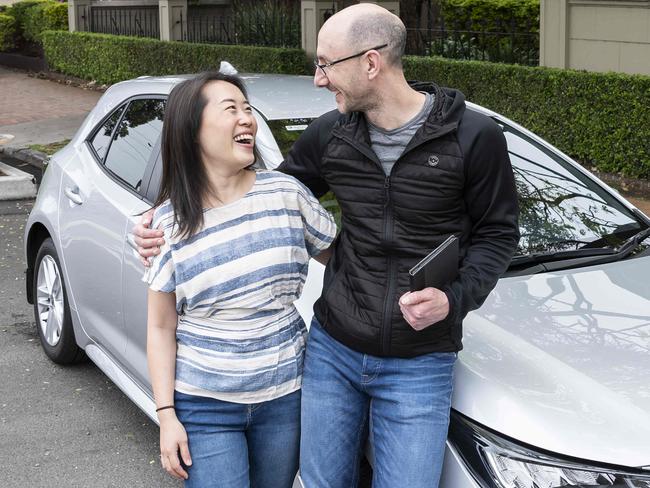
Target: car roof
276, 97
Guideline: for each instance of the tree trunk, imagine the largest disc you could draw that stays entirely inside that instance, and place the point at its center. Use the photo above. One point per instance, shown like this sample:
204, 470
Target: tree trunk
418, 16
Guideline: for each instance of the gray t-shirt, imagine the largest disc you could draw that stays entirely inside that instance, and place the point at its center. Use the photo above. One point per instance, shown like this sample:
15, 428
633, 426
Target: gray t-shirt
389, 145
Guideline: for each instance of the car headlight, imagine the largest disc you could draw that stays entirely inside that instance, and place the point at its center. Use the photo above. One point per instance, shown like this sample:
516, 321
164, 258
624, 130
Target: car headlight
496, 462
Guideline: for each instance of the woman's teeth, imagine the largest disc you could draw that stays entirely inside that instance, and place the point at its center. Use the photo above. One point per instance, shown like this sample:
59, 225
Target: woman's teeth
244, 139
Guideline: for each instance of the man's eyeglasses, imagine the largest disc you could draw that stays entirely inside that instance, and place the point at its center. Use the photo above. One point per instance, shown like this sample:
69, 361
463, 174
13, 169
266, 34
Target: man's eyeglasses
332, 63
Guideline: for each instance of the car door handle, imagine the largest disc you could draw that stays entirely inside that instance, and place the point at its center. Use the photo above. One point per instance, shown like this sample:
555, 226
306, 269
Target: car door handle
73, 195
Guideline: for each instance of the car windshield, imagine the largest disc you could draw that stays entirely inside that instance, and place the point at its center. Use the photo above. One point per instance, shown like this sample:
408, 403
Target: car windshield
561, 209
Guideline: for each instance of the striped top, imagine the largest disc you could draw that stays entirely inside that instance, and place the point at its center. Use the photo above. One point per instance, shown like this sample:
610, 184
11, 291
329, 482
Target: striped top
239, 337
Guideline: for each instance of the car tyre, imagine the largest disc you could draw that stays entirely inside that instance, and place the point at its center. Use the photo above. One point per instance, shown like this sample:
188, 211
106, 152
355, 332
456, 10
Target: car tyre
51, 310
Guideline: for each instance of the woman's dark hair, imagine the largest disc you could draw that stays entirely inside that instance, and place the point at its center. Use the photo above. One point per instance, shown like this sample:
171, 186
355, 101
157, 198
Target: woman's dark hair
184, 179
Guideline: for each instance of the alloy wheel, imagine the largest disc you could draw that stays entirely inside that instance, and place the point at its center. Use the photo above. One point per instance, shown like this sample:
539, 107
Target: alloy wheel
49, 296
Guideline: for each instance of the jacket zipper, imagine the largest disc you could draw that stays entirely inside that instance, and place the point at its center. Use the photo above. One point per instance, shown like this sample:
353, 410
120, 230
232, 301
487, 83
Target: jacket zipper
386, 325
387, 221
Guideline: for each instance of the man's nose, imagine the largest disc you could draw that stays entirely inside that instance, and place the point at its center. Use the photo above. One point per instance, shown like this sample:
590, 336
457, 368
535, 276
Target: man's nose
320, 79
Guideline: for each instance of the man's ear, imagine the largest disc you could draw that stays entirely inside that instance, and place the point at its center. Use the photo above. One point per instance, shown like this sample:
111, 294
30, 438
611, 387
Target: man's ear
373, 64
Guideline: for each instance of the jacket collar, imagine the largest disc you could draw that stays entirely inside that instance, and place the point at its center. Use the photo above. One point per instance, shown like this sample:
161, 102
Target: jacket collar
448, 109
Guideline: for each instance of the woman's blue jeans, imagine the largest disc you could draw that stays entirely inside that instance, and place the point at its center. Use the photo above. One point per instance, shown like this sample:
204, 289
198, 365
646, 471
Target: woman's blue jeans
402, 404
241, 445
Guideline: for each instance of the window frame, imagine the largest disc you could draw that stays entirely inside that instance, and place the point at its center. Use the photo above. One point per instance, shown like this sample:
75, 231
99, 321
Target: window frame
146, 176
153, 174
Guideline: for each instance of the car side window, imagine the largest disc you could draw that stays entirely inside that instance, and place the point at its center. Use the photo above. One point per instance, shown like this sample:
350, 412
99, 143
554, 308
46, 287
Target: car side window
102, 138
134, 140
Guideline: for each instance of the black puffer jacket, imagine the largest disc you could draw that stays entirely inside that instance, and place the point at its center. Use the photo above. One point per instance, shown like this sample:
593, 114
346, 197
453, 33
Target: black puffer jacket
453, 178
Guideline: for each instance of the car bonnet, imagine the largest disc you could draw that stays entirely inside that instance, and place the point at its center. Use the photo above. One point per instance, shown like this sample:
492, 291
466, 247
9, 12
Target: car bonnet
561, 361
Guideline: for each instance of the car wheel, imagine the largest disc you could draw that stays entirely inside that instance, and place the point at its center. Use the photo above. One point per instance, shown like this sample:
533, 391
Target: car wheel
51, 311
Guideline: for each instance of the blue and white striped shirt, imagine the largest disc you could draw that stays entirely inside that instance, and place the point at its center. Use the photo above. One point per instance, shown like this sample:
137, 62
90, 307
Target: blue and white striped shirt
239, 337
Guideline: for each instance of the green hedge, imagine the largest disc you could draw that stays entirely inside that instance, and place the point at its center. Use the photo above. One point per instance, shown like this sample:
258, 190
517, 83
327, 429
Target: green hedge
109, 59
35, 16
600, 119
19, 10
44, 16
491, 30
524, 13
7, 32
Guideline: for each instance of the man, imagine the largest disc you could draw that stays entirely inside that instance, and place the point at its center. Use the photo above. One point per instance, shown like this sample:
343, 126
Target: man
409, 166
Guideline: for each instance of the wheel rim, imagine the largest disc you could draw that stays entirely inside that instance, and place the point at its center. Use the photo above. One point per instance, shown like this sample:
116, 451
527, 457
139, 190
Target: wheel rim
49, 296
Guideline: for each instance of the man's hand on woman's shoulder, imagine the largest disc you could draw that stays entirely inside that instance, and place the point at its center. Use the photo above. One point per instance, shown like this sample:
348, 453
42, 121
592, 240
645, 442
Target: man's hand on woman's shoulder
148, 240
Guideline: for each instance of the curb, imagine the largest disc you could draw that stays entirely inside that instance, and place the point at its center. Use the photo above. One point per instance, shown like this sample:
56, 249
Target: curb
35, 158
16, 184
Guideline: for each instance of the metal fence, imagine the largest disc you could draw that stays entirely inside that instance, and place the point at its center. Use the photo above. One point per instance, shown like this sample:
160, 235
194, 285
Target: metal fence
269, 23
506, 41
126, 21
261, 27
205, 25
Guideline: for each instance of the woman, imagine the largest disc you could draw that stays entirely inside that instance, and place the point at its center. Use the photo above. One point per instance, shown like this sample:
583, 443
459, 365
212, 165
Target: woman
225, 344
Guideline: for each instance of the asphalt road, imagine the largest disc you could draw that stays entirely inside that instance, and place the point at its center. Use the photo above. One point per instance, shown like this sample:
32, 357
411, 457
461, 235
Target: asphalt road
60, 426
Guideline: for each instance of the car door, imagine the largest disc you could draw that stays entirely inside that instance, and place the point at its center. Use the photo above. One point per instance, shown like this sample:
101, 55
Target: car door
134, 289
101, 189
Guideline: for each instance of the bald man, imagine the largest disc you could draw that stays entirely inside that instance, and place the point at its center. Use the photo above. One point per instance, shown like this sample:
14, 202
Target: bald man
409, 166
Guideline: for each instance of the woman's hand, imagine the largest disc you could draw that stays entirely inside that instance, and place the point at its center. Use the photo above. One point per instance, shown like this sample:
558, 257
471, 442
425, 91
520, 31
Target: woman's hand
173, 439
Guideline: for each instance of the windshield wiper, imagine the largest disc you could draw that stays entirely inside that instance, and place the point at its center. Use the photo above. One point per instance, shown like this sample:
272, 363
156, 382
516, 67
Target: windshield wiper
582, 256
632, 243
548, 256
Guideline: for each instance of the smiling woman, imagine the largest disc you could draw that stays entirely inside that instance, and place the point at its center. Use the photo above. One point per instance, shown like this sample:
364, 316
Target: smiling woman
224, 337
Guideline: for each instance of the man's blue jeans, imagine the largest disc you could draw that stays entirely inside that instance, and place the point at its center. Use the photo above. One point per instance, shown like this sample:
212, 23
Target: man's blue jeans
405, 403
241, 445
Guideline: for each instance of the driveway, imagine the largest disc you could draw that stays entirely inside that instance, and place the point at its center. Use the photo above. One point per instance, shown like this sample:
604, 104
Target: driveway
61, 426
36, 111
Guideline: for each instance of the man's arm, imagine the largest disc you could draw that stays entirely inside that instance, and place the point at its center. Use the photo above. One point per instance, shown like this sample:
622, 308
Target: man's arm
492, 206
304, 160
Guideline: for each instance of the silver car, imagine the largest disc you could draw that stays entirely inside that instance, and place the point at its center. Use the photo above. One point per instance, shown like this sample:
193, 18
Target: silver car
552, 388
